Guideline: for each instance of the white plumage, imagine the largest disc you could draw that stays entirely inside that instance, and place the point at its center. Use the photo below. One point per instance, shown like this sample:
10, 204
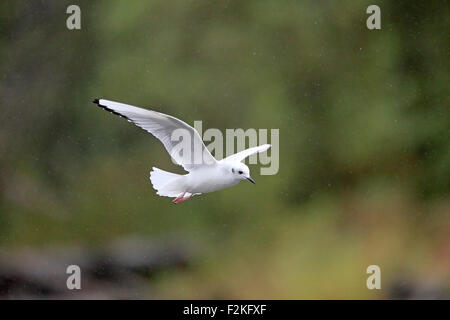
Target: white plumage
206, 174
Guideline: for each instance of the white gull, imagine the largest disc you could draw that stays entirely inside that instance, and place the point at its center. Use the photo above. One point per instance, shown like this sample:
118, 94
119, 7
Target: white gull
206, 174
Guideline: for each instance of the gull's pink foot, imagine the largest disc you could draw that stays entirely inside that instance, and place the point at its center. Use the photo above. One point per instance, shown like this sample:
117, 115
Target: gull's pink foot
184, 199
177, 199
181, 198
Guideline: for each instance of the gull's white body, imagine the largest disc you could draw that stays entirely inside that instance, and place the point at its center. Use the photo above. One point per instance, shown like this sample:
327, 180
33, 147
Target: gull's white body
203, 180
206, 174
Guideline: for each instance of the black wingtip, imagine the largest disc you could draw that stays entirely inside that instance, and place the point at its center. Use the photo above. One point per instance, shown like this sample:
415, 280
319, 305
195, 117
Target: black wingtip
97, 102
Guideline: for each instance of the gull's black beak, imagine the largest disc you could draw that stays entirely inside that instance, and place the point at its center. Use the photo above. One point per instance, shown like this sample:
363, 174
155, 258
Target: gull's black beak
251, 180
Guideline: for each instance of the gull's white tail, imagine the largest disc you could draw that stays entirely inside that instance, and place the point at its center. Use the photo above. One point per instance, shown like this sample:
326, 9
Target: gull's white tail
166, 184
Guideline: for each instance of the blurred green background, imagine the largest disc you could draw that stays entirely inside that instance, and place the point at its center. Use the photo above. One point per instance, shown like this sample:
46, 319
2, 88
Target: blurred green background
364, 139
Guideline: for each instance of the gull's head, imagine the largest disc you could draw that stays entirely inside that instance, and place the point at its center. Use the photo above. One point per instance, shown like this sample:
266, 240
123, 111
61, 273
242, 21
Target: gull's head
241, 172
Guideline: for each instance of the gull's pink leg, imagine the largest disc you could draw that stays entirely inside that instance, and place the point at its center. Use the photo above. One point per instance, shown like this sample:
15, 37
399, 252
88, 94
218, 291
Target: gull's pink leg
179, 198
184, 199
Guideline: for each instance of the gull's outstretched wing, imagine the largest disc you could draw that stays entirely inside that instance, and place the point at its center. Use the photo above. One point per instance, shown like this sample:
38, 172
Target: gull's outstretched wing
172, 132
237, 157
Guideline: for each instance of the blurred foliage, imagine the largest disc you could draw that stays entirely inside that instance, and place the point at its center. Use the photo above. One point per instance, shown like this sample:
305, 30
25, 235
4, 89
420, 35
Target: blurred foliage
364, 137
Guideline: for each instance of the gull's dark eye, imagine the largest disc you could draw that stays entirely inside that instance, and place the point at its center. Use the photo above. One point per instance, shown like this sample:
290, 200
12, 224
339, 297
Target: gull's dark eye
240, 172
232, 170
